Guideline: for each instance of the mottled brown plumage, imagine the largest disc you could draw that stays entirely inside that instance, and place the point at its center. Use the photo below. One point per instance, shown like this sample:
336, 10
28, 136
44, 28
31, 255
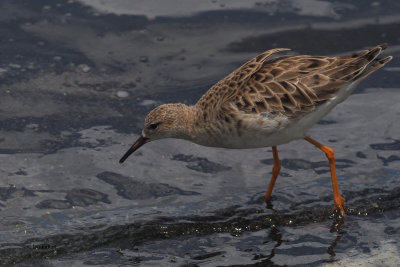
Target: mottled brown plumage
288, 85
266, 102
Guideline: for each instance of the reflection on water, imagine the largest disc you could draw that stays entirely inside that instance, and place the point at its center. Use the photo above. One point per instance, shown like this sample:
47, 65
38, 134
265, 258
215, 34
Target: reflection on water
78, 77
337, 223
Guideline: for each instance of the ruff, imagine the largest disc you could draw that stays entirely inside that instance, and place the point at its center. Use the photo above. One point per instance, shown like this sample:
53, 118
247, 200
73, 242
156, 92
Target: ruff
265, 103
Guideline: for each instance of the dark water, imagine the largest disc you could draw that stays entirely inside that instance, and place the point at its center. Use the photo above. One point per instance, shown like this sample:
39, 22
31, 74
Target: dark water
77, 79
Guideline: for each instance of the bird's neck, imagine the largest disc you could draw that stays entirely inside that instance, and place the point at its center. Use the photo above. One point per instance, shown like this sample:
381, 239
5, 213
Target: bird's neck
196, 129
188, 123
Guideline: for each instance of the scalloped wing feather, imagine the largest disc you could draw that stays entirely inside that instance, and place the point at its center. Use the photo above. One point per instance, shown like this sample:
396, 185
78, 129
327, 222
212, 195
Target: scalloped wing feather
293, 85
230, 86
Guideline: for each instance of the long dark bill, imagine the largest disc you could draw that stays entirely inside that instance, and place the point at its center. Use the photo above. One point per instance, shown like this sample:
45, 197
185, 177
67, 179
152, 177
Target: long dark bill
140, 142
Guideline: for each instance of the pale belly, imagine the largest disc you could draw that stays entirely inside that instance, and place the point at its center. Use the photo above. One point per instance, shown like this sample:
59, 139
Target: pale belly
270, 131
254, 137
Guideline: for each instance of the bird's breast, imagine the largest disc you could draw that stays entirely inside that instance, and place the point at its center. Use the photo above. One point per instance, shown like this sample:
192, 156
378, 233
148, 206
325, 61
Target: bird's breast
247, 131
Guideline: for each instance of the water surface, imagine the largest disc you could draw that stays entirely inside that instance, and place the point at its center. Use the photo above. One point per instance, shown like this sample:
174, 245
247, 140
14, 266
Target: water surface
76, 81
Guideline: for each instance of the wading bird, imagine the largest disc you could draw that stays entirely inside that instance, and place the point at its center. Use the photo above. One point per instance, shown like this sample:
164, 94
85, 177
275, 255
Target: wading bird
267, 102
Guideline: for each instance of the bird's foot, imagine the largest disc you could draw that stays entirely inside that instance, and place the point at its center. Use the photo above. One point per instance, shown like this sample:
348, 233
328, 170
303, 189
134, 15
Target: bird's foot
339, 204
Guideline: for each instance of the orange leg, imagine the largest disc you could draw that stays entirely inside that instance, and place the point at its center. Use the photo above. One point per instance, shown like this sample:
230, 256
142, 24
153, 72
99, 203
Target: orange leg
337, 198
275, 172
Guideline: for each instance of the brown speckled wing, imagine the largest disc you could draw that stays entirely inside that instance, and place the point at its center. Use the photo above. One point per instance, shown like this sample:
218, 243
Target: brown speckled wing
228, 87
290, 85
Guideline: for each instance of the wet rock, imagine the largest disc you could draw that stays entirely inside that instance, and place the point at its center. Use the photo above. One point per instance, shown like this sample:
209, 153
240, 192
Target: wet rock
122, 94
30, 65
46, 8
207, 255
386, 146
81, 197
84, 197
54, 204
361, 155
325, 122
389, 159
32, 126
131, 189
12, 192
375, 4
20, 172
148, 102
14, 66
2, 71
144, 59
84, 68
201, 164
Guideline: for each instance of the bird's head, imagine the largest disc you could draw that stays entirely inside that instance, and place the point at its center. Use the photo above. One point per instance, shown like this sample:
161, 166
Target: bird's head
165, 121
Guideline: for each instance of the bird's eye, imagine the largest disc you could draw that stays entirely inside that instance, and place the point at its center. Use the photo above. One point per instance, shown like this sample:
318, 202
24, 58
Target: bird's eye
153, 126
